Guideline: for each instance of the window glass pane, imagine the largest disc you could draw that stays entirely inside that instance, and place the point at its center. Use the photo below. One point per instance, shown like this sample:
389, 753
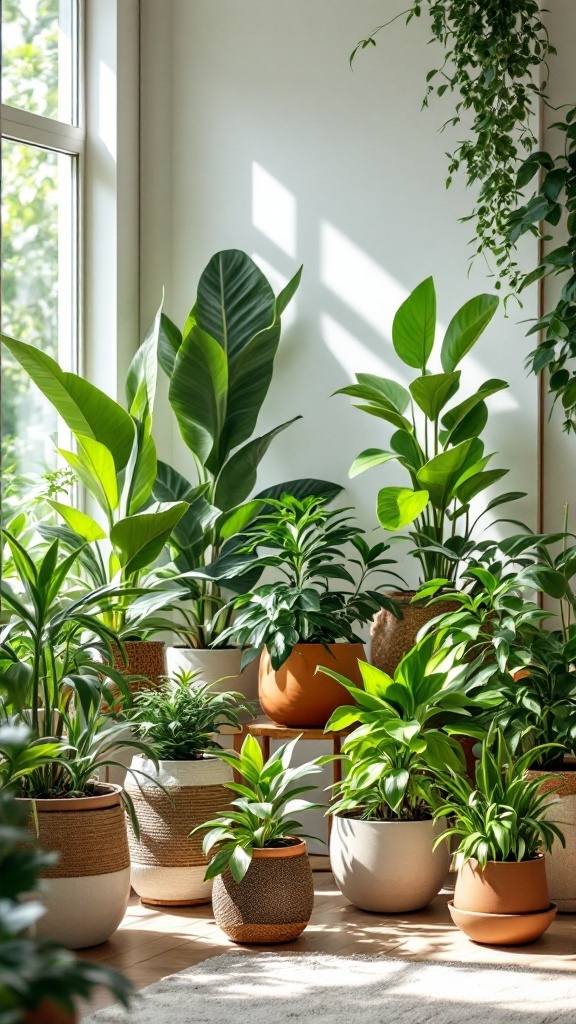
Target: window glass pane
38, 57
38, 296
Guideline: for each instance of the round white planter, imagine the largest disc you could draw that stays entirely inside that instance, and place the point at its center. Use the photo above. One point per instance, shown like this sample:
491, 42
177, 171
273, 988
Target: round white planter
214, 666
168, 865
388, 866
561, 861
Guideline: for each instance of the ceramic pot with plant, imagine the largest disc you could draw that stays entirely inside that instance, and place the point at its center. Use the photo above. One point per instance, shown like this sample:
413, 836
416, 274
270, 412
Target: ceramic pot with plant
41, 982
502, 822
298, 622
263, 891
438, 447
220, 368
181, 722
383, 849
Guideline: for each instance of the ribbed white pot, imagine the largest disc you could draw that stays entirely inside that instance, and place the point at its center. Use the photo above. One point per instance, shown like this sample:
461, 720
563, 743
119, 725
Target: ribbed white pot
388, 866
214, 666
168, 865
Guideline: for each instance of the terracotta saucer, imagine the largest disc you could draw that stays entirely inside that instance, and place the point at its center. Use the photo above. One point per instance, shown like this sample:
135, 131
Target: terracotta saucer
503, 929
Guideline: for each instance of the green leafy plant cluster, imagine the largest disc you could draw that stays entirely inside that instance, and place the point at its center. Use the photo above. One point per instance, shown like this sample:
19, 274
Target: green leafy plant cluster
308, 545
181, 718
262, 811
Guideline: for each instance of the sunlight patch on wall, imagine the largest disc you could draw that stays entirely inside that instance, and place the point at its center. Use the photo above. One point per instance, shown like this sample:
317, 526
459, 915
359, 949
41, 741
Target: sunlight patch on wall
107, 108
273, 210
352, 354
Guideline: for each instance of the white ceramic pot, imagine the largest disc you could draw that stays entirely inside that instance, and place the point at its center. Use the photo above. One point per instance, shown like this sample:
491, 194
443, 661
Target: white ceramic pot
388, 866
214, 666
561, 861
86, 893
168, 865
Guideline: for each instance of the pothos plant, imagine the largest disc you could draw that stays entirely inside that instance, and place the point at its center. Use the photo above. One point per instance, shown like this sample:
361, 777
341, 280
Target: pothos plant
438, 447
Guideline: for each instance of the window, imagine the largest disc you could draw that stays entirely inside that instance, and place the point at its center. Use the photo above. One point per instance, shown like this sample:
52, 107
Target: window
42, 147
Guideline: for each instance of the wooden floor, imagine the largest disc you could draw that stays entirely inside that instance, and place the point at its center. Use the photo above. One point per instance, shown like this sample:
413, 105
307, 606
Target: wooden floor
151, 944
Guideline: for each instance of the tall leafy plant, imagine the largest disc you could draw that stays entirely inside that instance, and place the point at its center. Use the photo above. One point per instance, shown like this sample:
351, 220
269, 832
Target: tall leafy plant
438, 446
220, 369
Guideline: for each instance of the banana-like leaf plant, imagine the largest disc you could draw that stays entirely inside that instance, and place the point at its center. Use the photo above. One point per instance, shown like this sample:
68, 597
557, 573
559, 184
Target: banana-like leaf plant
439, 447
220, 367
115, 459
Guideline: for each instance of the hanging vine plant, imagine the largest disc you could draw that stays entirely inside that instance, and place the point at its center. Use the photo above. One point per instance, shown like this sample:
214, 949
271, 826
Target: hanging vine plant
495, 60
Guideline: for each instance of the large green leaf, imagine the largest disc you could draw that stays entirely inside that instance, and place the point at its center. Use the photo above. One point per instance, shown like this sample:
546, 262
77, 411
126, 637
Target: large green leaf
250, 374
439, 474
304, 488
84, 408
455, 416
238, 476
83, 525
141, 470
465, 328
235, 301
384, 387
397, 507
414, 326
142, 375
405, 443
138, 540
432, 392
169, 341
94, 465
479, 482
369, 458
284, 297
170, 485
198, 390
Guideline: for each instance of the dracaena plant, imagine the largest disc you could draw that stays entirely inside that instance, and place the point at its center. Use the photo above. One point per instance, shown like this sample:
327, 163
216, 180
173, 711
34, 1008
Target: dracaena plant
220, 368
438, 445
267, 797
504, 815
115, 460
307, 545
401, 734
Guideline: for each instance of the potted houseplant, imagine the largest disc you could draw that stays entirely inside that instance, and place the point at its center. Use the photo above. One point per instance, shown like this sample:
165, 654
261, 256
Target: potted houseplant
382, 840
180, 721
263, 891
501, 895
115, 460
219, 368
438, 447
40, 981
298, 622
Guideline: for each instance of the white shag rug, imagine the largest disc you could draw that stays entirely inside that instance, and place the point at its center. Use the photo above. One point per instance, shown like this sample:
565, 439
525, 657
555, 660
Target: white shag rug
271, 988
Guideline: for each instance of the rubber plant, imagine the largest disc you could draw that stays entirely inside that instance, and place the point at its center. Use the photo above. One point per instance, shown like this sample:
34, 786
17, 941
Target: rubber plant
438, 447
220, 368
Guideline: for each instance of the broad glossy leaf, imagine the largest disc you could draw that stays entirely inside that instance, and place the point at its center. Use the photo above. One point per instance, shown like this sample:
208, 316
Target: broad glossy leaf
395, 785
385, 387
85, 409
439, 474
465, 328
142, 375
397, 507
304, 488
169, 341
375, 680
369, 459
82, 524
414, 326
284, 297
237, 519
479, 482
250, 375
198, 391
141, 470
138, 540
170, 485
407, 446
235, 301
459, 412
238, 476
94, 465
433, 391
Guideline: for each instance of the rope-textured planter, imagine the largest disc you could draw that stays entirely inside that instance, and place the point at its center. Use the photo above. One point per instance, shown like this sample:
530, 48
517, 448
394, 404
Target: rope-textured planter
561, 862
145, 658
87, 890
392, 637
168, 865
274, 901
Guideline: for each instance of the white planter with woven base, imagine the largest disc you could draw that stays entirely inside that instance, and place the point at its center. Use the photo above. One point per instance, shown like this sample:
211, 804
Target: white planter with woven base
168, 865
216, 665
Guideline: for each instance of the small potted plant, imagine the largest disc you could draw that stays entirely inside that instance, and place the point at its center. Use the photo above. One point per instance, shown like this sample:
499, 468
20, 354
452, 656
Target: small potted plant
298, 622
501, 895
437, 446
263, 891
180, 721
382, 840
40, 981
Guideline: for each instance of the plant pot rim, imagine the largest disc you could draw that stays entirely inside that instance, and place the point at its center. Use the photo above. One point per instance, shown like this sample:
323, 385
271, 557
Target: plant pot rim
205, 759
156, 643
379, 821
504, 863
204, 650
480, 913
296, 849
320, 647
111, 797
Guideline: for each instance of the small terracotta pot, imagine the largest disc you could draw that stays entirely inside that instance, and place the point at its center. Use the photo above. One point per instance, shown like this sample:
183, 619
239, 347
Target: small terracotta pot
297, 696
508, 887
503, 929
392, 638
273, 902
49, 1013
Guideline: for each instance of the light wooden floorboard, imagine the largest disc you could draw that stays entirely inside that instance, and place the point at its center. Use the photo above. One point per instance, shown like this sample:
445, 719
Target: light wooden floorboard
152, 943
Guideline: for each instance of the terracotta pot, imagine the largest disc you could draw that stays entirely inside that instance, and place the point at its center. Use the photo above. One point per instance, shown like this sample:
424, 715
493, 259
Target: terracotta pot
215, 666
273, 902
392, 637
297, 697
507, 887
503, 929
561, 861
87, 891
168, 865
49, 1013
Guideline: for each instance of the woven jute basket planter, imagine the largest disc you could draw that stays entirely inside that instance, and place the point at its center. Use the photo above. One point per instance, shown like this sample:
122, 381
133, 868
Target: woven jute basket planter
168, 865
87, 891
561, 861
273, 902
392, 638
296, 695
